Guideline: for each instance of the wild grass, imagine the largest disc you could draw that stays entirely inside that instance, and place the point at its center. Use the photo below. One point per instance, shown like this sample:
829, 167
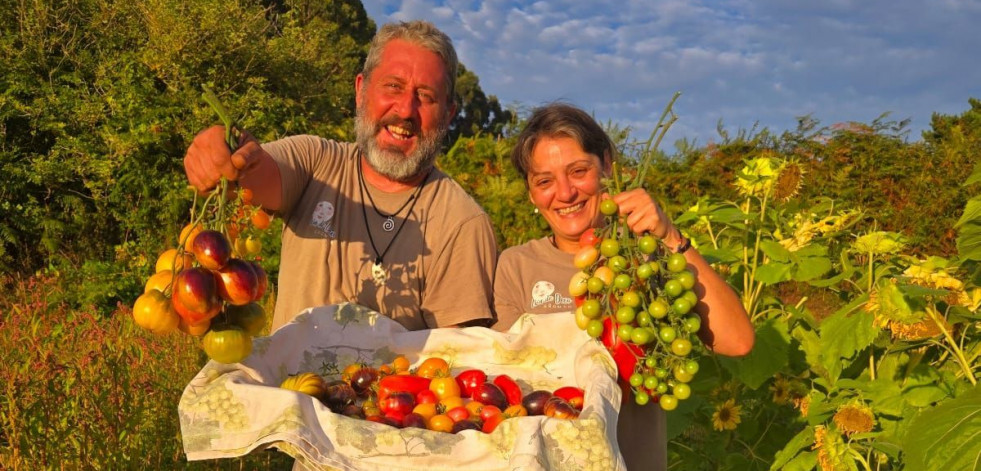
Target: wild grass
84, 391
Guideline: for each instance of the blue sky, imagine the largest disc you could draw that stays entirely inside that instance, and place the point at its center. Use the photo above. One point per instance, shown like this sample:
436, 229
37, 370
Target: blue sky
743, 62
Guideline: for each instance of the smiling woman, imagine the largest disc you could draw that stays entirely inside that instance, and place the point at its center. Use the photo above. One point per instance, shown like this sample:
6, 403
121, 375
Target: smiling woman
563, 154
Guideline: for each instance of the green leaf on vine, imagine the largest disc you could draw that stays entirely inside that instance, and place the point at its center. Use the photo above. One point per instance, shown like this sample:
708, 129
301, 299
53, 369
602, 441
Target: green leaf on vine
792, 451
773, 272
947, 436
845, 333
769, 355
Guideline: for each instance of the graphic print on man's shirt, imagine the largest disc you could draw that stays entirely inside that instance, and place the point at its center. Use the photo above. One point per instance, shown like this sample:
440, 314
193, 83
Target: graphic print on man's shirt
322, 219
544, 296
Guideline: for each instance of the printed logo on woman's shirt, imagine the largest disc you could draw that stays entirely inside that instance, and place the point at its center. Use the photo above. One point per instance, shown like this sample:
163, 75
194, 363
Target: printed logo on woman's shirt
323, 216
543, 294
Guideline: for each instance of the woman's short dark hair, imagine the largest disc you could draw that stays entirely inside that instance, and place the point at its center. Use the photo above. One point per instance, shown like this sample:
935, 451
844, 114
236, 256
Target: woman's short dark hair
561, 120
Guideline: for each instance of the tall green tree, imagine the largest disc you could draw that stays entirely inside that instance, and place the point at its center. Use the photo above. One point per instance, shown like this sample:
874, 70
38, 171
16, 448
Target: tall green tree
99, 99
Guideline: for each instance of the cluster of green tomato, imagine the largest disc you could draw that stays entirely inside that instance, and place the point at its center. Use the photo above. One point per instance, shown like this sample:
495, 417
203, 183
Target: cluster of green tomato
640, 303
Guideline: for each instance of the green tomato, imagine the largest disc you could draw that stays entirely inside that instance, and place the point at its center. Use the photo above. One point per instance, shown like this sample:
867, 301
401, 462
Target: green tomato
617, 263
622, 281
625, 314
644, 271
673, 288
594, 329
609, 207
641, 336
680, 347
658, 308
650, 362
667, 334
676, 262
636, 380
686, 278
641, 398
594, 285
647, 244
643, 319
681, 391
691, 367
690, 296
591, 308
610, 248
668, 402
630, 298
651, 382
624, 332
693, 324
681, 306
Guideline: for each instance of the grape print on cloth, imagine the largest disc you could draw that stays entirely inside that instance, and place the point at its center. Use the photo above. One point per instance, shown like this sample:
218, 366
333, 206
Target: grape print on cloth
231, 410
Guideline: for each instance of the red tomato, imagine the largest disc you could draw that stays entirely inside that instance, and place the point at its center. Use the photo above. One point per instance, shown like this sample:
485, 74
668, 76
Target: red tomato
573, 395
426, 397
492, 422
489, 411
406, 383
469, 381
510, 388
458, 414
399, 402
589, 238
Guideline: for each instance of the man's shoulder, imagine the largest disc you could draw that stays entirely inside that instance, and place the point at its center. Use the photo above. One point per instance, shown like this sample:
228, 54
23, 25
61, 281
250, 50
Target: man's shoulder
310, 144
451, 196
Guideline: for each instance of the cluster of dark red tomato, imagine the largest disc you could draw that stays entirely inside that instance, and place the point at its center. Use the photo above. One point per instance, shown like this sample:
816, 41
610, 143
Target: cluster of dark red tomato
639, 303
210, 284
430, 397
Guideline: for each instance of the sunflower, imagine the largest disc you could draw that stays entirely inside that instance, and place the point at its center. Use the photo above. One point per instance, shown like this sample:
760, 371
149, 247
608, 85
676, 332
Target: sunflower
854, 418
789, 180
803, 404
758, 177
727, 416
832, 451
781, 390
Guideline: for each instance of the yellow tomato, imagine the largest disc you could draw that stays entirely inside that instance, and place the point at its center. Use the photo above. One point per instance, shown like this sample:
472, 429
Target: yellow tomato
188, 233
153, 311
451, 402
445, 387
401, 364
173, 261
474, 407
426, 410
307, 383
159, 281
440, 423
433, 367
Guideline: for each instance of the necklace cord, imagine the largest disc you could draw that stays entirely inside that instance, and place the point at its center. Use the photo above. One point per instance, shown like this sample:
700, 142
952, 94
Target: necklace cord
362, 186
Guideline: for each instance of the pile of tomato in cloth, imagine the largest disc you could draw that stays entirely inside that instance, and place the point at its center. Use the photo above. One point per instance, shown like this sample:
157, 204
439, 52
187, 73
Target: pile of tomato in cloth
430, 397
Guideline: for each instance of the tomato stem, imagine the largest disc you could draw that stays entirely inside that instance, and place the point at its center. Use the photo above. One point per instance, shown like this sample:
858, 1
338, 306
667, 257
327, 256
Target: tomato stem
654, 141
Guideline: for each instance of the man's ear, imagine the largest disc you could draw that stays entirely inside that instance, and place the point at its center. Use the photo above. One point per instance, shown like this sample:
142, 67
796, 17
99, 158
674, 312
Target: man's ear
358, 83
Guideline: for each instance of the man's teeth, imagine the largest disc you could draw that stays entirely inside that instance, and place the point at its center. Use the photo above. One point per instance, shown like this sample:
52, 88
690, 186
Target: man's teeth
569, 210
399, 131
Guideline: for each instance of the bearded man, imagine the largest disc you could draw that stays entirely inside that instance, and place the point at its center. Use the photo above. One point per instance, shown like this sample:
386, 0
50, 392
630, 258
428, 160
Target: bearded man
372, 222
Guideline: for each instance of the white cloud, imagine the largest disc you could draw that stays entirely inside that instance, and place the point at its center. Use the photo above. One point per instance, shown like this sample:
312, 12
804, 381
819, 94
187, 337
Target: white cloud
765, 61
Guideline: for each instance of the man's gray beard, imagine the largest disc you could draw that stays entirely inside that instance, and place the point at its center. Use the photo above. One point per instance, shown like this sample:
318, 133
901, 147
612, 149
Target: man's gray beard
394, 164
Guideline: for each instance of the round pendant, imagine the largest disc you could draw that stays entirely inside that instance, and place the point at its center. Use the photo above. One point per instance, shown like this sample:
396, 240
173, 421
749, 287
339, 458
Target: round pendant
389, 224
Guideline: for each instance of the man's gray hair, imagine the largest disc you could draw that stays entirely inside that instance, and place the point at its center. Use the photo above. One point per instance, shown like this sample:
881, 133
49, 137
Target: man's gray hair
421, 33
